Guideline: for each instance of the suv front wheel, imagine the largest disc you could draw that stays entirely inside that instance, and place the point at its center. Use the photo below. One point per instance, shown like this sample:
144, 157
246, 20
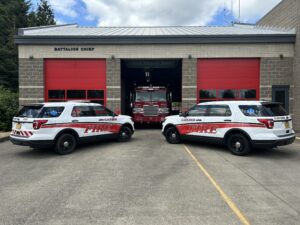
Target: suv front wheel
172, 135
238, 144
125, 134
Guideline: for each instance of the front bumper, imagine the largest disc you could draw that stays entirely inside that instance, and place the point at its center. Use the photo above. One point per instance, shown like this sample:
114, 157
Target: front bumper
273, 143
31, 143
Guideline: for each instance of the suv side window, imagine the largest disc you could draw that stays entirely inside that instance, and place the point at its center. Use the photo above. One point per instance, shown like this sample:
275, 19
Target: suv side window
48, 112
219, 110
198, 110
83, 111
102, 111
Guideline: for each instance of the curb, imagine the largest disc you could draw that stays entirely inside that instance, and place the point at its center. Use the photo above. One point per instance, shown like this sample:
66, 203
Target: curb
4, 138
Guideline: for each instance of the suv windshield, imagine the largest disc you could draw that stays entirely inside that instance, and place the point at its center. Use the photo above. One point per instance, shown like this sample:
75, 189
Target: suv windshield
266, 110
38, 111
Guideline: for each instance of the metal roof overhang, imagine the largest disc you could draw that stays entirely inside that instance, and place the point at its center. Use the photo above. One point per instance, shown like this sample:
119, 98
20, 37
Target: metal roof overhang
129, 40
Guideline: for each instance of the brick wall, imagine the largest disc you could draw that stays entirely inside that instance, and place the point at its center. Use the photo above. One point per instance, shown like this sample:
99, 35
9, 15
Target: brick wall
113, 84
283, 15
276, 71
287, 14
189, 83
31, 81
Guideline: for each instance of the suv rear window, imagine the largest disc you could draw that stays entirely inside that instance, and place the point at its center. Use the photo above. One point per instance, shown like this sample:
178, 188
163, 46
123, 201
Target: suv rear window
38, 111
31, 111
267, 110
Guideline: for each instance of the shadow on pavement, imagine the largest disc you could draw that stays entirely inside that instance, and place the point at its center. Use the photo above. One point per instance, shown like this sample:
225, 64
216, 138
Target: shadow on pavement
275, 153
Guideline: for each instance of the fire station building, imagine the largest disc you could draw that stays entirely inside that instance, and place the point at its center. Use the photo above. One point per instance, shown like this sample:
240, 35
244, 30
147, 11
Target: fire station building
103, 64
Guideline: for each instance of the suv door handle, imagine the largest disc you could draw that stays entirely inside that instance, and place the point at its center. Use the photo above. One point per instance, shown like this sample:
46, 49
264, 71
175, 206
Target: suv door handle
227, 120
74, 121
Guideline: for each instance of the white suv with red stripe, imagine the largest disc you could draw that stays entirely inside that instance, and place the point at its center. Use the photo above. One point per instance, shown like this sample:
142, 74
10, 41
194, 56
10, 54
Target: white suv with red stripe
63, 125
240, 125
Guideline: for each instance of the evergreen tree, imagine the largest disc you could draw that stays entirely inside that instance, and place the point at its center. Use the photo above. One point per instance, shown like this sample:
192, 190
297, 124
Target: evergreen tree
44, 14
13, 15
16, 14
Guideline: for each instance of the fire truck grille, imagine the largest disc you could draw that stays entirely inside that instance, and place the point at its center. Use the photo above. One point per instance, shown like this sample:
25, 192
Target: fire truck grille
150, 110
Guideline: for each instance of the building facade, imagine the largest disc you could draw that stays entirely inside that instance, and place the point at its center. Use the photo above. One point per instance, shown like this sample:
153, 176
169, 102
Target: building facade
103, 64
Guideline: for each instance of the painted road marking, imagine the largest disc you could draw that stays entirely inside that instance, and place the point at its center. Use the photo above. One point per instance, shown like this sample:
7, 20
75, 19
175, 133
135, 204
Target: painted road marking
225, 197
298, 138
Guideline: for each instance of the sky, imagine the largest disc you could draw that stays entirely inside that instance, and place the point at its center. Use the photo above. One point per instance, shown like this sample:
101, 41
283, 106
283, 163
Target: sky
158, 12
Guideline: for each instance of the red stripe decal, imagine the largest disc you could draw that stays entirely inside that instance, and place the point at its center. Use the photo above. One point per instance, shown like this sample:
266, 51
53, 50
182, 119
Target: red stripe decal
30, 133
89, 127
211, 128
26, 134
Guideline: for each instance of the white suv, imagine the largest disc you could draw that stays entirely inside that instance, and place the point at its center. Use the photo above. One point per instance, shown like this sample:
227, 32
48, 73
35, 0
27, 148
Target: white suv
240, 125
63, 125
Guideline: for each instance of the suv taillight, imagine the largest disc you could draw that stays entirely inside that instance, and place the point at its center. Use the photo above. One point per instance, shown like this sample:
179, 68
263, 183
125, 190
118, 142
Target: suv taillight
267, 122
38, 123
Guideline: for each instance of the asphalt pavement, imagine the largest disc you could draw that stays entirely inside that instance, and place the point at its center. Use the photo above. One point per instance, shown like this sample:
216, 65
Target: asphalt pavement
148, 181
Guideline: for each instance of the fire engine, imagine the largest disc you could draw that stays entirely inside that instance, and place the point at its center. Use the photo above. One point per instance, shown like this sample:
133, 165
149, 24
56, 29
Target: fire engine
150, 104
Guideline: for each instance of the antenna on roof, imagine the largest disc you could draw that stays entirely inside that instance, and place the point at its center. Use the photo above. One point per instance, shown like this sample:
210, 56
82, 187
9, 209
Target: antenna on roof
239, 11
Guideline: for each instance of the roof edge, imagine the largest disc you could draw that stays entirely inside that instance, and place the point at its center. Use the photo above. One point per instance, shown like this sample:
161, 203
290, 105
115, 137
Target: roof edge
123, 40
21, 31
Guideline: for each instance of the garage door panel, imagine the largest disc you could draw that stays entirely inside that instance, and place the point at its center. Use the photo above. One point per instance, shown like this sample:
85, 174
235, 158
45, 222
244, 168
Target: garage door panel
75, 74
222, 74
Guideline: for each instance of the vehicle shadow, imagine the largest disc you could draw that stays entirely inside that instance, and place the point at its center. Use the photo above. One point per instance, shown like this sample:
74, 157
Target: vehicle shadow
39, 153
270, 153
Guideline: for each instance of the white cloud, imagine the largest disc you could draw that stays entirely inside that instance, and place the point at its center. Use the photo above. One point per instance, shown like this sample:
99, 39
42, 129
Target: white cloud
170, 12
64, 7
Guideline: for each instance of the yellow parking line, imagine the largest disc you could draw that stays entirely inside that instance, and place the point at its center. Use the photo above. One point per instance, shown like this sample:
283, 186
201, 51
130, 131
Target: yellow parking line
298, 138
225, 197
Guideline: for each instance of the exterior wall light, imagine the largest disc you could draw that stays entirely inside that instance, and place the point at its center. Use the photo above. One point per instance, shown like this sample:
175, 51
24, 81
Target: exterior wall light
190, 56
31, 57
112, 57
281, 56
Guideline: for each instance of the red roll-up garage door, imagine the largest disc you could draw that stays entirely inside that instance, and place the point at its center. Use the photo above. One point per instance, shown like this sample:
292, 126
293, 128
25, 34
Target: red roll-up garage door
73, 79
228, 79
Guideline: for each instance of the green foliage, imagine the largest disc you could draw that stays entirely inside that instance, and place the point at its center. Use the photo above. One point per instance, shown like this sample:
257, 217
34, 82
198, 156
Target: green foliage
8, 108
44, 14
16, 14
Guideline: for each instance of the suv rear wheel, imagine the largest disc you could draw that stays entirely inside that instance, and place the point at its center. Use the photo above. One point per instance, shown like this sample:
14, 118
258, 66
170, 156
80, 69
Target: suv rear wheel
65, 144
172, 135
238, 144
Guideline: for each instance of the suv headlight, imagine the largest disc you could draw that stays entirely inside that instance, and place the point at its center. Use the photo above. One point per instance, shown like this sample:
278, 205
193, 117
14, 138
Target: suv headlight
163, 110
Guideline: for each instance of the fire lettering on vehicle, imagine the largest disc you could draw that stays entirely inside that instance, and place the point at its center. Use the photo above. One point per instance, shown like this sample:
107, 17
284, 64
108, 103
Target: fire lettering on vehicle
201, 128
99, 128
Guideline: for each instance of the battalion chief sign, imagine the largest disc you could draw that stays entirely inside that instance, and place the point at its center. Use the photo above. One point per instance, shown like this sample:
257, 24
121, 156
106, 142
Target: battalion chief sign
75, 49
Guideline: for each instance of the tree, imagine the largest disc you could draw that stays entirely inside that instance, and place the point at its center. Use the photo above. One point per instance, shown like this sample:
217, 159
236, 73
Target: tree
44, 14
13, 14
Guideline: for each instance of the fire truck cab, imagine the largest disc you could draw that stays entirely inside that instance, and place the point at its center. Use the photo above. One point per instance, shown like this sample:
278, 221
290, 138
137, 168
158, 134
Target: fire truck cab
150, 104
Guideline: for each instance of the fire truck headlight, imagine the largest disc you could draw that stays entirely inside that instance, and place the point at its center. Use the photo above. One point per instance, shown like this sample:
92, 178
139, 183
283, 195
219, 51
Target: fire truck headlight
163, 110
138, 110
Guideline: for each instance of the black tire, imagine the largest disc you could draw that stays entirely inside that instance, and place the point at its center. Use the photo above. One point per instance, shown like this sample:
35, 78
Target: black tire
65, 144
238, 144
125, 134
172, 135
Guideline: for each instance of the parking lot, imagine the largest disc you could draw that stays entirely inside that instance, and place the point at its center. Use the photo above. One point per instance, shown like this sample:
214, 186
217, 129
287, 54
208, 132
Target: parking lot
148, 181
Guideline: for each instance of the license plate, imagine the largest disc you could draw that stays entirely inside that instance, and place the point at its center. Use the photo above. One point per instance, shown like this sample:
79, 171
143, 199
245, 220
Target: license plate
18, 126
287, 125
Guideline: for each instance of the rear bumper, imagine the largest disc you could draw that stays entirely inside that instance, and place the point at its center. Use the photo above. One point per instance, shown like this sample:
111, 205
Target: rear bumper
273, 143
31, 143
